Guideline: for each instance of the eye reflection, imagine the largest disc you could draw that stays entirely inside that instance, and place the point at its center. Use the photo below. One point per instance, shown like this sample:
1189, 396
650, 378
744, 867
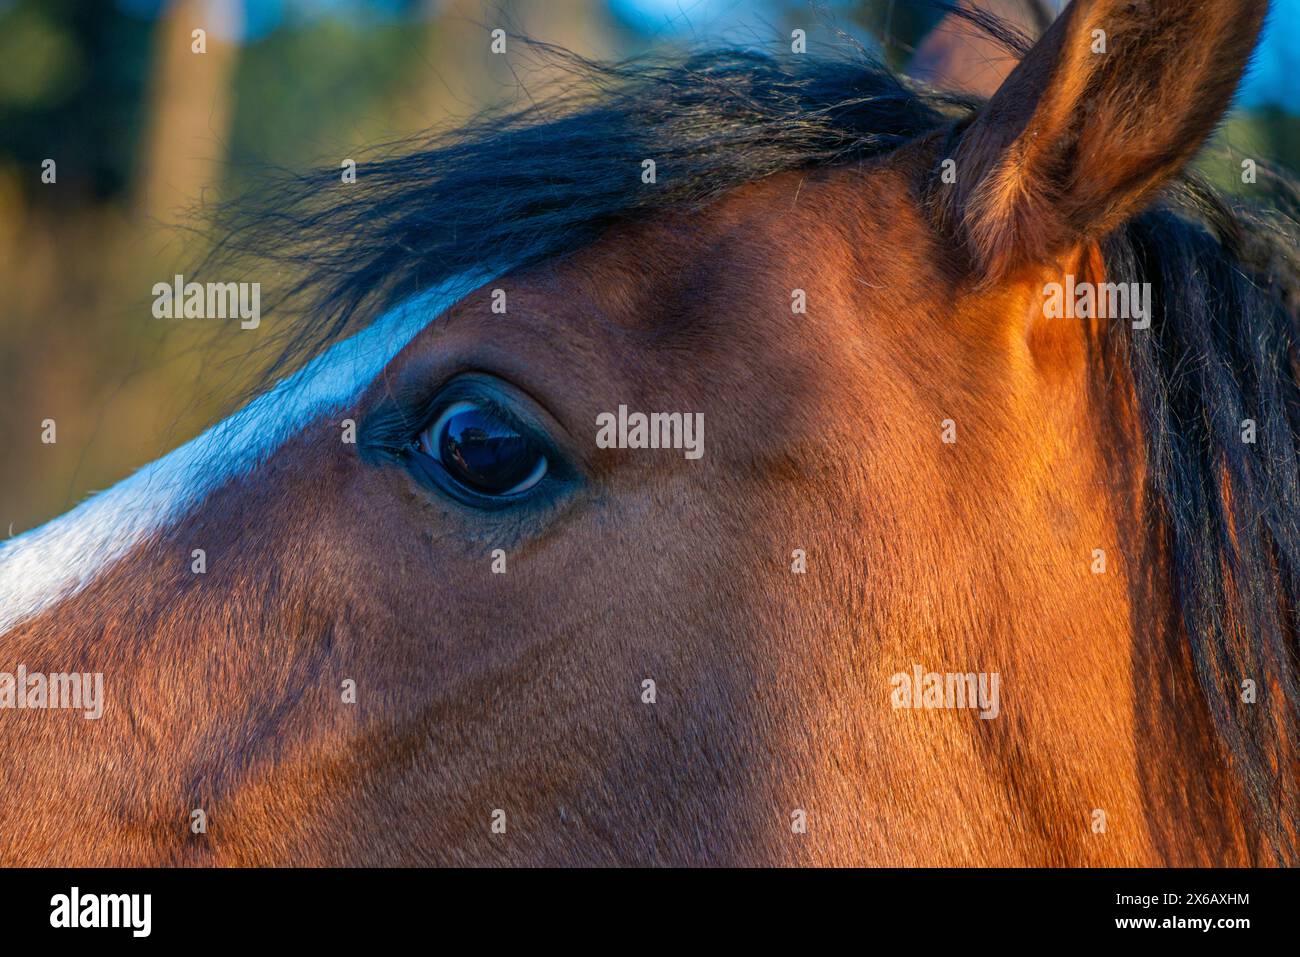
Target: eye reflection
482, 452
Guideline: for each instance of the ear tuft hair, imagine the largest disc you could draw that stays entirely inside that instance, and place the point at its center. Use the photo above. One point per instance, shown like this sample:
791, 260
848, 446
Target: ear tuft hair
1105, 110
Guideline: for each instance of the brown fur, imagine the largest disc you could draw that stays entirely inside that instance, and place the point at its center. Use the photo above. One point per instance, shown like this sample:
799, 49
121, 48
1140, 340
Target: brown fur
521, 691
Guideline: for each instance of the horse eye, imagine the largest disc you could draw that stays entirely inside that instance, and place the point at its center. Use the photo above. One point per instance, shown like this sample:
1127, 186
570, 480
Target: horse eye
482, 452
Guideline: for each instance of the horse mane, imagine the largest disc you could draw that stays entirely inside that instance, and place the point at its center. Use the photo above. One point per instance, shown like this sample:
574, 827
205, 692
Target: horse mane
1221, 350
514, 187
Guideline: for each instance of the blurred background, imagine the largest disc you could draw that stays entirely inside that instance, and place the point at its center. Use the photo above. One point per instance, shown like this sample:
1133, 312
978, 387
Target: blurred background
145, 134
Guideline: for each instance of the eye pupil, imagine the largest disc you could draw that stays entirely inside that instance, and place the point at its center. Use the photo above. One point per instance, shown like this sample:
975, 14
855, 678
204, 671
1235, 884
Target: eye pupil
484, 453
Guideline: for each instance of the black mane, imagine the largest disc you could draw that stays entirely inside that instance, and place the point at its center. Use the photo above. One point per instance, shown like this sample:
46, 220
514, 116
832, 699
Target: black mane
517, 187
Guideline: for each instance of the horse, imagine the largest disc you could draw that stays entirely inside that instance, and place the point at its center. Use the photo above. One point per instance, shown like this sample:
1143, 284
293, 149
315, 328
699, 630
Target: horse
403, 608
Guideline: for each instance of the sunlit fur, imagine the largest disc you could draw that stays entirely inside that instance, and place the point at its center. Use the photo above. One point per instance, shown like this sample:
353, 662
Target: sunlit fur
522, 691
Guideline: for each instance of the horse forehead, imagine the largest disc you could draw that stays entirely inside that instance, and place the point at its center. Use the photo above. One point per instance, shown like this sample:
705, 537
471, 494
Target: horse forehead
654, 275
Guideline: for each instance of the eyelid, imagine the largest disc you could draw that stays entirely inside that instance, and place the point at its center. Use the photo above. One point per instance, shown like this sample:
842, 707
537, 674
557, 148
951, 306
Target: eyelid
530, 411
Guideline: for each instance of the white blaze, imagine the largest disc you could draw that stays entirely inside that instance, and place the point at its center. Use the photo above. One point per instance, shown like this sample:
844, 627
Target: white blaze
56, 560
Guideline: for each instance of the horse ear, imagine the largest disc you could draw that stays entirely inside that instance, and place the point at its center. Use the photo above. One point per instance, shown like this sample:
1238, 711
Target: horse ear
1104, 110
